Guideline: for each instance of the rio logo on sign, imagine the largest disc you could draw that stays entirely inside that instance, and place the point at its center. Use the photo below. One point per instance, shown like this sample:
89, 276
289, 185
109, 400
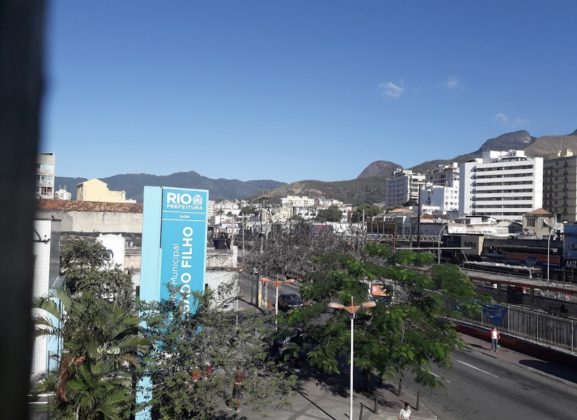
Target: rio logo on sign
184, 201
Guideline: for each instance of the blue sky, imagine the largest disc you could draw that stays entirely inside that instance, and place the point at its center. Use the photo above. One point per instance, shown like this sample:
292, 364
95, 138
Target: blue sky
299, 89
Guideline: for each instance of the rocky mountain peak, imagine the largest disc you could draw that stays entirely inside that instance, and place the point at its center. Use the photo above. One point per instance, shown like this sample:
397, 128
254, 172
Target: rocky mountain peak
379, 168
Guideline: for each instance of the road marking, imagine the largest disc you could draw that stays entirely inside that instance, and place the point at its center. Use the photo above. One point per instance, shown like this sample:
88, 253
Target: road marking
440, 378
476, 368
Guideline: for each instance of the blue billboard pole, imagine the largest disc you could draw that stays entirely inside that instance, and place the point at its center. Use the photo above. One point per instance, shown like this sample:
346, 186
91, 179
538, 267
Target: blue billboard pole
175, 223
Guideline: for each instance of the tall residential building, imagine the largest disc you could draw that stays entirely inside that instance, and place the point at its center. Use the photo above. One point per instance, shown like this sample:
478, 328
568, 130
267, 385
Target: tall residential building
503, 185
444, 197
45, 171
442, 189
560, 186
444, 175
403, 186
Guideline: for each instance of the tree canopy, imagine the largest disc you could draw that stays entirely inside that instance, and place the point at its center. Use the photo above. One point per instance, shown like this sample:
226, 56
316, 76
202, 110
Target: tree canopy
96, 319
196, 354
366, 210
330, 214
410, 335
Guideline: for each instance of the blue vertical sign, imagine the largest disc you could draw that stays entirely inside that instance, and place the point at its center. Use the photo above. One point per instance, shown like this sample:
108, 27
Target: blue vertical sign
174, 230
183, 244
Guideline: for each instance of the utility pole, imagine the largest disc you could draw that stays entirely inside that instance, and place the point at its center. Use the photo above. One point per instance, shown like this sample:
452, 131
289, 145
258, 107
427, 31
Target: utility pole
419, 220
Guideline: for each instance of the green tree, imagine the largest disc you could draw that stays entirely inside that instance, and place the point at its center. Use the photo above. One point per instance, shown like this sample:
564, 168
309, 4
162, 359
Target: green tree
196, 354
369, 210
411, 335
99, 329
81, 257
248, 211
331, 214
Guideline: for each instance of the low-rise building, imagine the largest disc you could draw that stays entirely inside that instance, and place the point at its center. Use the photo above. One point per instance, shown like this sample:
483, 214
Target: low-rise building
97, 190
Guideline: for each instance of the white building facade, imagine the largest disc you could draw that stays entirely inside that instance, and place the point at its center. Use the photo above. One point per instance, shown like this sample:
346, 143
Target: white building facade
45, 173
297, 201
445, 198
445, 175
62, 194
403, 186
503, 185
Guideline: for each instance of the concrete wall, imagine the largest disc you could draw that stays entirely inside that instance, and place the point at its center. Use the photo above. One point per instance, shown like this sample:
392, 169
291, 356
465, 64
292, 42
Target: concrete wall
95, 221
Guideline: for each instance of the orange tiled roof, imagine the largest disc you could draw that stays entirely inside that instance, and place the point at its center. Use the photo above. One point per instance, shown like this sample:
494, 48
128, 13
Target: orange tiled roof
73, 205
540, 212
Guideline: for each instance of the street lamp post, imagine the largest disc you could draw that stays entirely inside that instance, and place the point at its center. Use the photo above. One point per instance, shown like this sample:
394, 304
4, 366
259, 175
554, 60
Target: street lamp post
557, 225
276, 283
352, 309
446, 225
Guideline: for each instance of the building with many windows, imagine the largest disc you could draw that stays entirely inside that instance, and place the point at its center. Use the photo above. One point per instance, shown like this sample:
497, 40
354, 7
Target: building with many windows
403, 186
297, 201
444, 175
45, 172
446, 199
503, 185
560, 186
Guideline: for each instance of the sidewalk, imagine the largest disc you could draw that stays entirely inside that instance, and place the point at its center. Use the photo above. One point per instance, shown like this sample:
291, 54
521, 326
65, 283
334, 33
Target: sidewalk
554, 371
318, 399
321, 400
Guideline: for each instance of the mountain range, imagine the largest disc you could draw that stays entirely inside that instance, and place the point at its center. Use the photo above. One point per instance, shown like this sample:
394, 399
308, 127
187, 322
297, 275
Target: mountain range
368, 187
134, 184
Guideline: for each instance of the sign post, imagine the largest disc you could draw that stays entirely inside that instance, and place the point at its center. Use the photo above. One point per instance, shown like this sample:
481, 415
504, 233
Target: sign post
174, 234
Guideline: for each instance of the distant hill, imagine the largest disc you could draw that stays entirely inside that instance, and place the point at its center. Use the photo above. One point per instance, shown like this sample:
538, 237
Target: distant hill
520, 140
369, 185
379, 168
134, 184
355, 192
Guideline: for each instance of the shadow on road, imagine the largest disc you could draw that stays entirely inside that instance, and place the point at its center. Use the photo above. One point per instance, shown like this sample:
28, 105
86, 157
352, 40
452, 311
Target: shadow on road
563, 372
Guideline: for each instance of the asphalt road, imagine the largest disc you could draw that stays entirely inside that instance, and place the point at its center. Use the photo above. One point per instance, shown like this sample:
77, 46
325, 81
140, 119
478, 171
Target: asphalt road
481, 386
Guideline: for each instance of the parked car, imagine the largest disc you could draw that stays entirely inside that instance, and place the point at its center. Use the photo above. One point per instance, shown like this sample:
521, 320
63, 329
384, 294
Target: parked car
288, 301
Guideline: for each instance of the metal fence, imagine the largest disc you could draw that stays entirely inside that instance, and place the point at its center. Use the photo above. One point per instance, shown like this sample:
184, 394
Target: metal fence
534, 326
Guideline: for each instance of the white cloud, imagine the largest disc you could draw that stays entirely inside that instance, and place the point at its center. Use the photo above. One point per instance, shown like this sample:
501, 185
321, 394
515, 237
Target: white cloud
512, 122
452, 83
501, 118
391, 89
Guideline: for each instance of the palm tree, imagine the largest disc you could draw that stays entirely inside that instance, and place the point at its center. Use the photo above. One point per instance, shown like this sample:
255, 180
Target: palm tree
101, 343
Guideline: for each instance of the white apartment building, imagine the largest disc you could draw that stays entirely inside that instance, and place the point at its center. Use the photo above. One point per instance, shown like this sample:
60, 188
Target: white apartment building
297, 201
210, 209
503, 185
445, 175
227, 206
62, 194
328, 202
444, 197
403, 186
45, 173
